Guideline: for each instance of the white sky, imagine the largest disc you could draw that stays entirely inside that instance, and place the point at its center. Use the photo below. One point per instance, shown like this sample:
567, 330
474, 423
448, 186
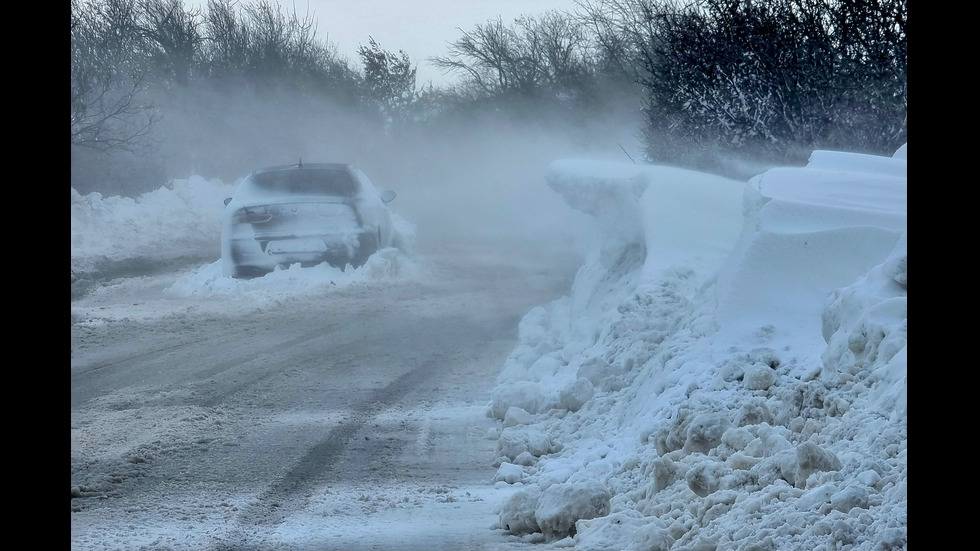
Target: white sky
748, 374
422, 28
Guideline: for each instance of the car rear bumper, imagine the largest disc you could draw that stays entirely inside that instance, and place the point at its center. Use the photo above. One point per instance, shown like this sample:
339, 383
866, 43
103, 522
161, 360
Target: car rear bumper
254, 254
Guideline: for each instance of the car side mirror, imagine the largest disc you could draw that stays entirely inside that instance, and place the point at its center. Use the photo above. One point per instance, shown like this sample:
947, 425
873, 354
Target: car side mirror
388, 196
227, 200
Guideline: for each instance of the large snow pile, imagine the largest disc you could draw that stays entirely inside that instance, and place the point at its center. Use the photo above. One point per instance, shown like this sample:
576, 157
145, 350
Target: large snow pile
729, 370
112, 229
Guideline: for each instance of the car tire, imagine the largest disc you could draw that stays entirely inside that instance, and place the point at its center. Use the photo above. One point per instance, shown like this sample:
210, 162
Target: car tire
247, 272
368, 246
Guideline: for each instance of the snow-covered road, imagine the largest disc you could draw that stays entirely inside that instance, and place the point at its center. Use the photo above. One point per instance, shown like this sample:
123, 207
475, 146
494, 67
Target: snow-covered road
348, 418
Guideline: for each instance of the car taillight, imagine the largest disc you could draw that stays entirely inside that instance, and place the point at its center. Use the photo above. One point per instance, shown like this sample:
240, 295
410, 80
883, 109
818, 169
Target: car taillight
252, 216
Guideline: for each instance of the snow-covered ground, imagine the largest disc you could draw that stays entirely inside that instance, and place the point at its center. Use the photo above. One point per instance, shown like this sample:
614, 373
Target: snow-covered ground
728, 372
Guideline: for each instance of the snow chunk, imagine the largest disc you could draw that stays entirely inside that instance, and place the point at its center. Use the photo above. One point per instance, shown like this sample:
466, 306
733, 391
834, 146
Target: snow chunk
811, 458
509, 473
759, 377
574, 396
612, 532
562, 505
517, 416
514, 441
517, 512
555, 510
850, 497
525, 395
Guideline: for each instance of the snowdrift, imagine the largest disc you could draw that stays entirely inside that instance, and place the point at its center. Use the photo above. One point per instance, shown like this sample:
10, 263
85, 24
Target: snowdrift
729, 370
114, 229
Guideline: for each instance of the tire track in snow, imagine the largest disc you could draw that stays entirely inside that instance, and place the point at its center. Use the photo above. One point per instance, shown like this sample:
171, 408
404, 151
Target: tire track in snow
291, 492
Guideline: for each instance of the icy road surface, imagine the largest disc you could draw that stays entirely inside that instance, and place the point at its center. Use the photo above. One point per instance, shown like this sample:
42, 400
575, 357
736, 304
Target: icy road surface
348, 418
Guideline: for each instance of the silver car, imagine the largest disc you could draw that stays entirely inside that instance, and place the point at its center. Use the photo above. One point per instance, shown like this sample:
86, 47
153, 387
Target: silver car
306, 214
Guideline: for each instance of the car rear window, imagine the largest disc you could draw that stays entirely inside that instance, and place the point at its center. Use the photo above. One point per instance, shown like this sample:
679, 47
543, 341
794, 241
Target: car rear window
307, 181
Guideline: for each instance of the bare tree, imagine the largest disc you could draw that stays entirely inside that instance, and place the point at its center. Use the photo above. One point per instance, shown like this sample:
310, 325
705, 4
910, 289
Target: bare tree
226, 40
487, 56
171, 37
549, 55
390, 81
108, 110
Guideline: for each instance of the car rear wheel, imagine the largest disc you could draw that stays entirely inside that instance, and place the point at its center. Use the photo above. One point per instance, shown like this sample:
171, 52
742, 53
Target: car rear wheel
248, 272
369, 245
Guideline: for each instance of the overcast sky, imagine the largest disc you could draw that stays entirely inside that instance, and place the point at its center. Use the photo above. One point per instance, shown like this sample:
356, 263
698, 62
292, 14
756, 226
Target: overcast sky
422, 28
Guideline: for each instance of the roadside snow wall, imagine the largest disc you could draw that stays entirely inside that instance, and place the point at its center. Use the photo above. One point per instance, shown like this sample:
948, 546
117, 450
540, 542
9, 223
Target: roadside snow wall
731, 362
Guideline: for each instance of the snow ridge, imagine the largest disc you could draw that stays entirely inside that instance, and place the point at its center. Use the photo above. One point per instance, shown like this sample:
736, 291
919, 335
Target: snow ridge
683, 397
